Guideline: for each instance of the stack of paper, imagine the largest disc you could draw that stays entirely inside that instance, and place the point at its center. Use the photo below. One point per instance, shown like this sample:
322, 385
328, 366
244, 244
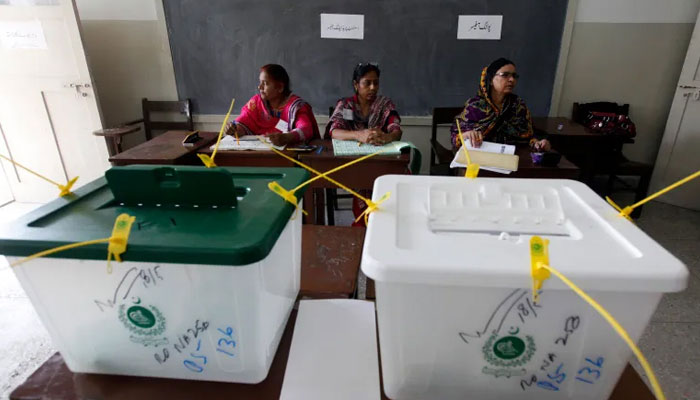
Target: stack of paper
488, 147
333, 353
353, 148
247, 142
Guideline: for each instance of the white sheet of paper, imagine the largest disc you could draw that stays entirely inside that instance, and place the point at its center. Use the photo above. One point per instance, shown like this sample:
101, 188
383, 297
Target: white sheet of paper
492, 147
342, 26
333, 353
489, 147
479, 27
22, 35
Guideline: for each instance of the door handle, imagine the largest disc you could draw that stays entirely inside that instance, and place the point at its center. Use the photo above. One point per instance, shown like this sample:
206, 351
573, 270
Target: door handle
77, 87
688, 87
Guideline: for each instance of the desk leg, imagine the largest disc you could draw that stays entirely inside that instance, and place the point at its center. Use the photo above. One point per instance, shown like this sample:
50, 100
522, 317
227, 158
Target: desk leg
309, 206
319, 207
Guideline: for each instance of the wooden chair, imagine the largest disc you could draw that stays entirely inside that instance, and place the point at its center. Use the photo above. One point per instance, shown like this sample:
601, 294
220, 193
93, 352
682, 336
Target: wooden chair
612, 162
440, 157
113, 136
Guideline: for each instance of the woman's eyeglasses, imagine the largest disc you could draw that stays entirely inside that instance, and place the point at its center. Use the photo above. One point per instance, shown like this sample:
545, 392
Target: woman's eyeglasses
508, 75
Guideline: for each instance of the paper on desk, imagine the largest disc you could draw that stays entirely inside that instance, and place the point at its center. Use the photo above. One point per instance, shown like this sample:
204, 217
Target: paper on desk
333, 353
247, 142
489, 147
354, 148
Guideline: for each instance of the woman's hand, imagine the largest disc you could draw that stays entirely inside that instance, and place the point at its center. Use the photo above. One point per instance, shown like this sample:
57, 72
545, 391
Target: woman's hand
373, 136
475, 138
234, 129
280, 139
230, 128
542, 145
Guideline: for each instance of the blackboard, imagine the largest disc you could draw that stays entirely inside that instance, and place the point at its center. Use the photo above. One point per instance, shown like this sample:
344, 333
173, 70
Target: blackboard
218, 47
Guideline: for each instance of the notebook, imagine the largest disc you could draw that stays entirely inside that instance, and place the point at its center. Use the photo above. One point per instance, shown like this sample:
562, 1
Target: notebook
351, 148
247, 142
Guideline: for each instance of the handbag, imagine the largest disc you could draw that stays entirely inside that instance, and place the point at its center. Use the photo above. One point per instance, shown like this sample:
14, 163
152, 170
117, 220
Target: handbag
608, 123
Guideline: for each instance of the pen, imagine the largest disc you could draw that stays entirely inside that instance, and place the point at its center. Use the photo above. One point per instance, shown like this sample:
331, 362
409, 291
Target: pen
320, 148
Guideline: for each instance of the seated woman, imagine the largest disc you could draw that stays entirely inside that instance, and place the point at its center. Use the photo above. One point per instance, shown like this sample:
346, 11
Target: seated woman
496, 114
366, 116
275, 112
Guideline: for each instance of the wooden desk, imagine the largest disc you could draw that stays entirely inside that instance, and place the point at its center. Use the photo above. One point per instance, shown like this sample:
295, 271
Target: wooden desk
579, 142
359, 176
527, 169
165, 149
230, 158
54, 381
330, 260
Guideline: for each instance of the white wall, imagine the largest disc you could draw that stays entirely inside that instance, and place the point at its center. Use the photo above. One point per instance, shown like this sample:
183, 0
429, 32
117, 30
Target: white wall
628, 51
128, 52
637, 11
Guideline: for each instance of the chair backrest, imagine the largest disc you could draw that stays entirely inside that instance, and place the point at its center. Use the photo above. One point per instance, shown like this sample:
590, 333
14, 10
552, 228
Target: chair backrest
183, 107
328, 125
580, 110
443, 115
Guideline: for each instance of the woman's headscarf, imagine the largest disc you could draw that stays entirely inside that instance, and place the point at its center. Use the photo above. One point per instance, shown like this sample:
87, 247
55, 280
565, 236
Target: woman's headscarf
511, 124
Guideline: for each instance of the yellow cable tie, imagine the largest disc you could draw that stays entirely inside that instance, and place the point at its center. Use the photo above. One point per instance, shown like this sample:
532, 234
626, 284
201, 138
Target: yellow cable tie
336, 169
119, 239
372, 207
116, 243
658, 393
472, 169
64, 189
206, 159
540, 270
333, 181
625, 212
58, 249
539, 255
287, 195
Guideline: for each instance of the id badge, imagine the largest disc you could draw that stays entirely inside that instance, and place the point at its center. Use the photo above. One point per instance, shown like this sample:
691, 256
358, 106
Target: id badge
282, 126
347, 115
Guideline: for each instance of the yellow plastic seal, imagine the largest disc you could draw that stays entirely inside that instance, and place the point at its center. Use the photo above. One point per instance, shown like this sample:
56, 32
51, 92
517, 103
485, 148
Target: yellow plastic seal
206, 159
472, 169
287, 195
372, 207
115, 248
539, 256
64, 189
119, 238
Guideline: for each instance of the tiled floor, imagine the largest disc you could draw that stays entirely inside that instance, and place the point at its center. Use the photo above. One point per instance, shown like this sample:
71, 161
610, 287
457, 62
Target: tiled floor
24, 343
671, 342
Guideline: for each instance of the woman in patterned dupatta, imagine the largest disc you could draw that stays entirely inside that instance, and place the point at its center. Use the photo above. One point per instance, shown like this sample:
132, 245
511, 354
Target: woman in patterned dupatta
365, 117
275, 112
496, 114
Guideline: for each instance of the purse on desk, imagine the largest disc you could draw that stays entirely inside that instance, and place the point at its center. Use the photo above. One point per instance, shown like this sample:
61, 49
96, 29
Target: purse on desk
610, 124
546, 159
